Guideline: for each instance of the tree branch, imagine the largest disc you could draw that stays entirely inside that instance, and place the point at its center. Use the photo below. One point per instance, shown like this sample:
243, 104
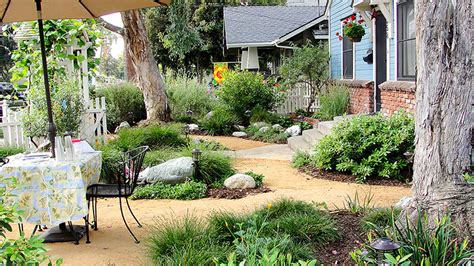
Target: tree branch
110, 26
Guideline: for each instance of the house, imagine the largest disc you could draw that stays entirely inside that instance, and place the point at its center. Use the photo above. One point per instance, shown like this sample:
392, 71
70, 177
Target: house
257, 36
380, 69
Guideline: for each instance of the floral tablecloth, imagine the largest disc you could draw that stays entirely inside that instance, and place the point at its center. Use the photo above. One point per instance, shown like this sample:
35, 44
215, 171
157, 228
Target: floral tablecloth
50, 192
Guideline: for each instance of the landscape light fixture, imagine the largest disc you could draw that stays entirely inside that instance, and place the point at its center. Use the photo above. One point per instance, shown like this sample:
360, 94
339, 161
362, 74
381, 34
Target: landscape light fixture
383, 245
196, 156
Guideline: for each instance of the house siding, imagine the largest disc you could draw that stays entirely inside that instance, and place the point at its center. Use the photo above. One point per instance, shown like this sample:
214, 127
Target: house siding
339, 10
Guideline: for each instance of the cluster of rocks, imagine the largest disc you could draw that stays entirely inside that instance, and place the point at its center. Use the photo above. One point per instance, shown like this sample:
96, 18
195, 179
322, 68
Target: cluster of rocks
181, 169
263, 127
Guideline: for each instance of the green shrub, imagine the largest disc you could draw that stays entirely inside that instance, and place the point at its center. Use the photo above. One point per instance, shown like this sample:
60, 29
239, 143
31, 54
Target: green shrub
333, 102
154, 136
9, 151
271, 136
301, 159
67, 106
368, 146
257, 177
214, 167
183, 242
124, 103
258, 114
156, 157
243, 91
188, 94
185, 191
220, 122
381, 217
111, 159
283, 120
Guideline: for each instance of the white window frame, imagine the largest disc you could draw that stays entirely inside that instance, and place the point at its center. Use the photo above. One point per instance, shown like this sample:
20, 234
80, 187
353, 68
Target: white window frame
342, 56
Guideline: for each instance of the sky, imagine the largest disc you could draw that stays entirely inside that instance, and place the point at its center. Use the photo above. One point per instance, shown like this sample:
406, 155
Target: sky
117, 46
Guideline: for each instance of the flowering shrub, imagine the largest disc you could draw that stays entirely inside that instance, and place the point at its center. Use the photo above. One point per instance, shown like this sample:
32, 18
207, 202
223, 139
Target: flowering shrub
352, 28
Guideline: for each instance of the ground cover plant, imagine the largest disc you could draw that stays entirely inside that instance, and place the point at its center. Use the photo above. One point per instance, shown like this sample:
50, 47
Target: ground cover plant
9, 151
269, 134
189, 190
366, 147
286, 228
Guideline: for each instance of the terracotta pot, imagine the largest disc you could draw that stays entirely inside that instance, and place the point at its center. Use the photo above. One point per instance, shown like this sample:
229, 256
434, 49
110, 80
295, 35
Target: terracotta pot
356, 39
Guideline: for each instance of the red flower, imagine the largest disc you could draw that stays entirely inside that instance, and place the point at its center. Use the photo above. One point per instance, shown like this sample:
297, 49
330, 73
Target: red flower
350, 25
353, 17
337, 33
360, 21
340, 38
345, 22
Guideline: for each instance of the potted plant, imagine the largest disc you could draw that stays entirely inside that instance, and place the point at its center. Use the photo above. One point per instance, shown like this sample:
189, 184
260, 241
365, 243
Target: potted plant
353, 29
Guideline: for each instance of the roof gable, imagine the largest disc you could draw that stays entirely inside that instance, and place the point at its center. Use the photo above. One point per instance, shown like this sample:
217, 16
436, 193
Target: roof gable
264, 24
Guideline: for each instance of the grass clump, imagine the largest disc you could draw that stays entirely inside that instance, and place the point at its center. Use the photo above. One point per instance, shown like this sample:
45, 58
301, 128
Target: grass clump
185, 191
183, 242
286, 228
333, 102
220, 122
214, 167
9, 151
155, 136
301, 159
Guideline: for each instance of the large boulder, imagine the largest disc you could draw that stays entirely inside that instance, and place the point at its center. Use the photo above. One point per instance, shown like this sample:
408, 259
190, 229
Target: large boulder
403, 202
239, 134
171, 172
294, 130
239, 127
122, 125
193, 128
239, 181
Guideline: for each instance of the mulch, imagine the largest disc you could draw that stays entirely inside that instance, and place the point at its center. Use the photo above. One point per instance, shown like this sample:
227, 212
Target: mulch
341, 177
352, 236
226, 193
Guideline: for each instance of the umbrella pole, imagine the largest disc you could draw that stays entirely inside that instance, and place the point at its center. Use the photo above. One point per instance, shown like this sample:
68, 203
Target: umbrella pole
51, 125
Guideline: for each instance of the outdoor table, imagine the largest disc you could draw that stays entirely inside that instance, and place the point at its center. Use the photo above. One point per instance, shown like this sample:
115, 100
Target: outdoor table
51, 192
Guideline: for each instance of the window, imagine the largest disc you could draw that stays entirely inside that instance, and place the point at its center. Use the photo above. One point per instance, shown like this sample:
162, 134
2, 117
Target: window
406, 40
347, 58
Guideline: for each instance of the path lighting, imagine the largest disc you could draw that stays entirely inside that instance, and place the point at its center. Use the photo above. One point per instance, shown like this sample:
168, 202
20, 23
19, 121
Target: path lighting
189, 113
186, 130
383, 245
248, 113
300, 119
196, 156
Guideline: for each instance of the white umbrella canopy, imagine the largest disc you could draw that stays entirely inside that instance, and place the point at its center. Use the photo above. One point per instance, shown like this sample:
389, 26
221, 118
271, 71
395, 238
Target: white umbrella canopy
25, 10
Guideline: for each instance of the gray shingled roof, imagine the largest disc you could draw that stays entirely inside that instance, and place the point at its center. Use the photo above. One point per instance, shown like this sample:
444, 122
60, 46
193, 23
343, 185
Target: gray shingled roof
264, 24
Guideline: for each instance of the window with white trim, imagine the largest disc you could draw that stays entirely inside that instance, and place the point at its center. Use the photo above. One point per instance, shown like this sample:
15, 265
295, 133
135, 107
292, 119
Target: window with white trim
347, 58
406, 40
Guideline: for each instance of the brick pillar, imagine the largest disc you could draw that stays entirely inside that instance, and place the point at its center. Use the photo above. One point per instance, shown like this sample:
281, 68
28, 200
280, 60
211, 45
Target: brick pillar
362, 95
396, 96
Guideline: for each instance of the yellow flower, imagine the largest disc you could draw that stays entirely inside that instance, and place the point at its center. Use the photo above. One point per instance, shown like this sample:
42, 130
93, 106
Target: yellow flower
269, 206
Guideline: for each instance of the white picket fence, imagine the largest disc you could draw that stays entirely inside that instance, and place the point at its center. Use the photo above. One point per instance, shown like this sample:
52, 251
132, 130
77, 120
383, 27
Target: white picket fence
93, 127
297, 98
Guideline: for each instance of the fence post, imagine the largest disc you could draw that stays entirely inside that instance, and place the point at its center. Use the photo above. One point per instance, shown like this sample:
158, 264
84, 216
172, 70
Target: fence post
104, 119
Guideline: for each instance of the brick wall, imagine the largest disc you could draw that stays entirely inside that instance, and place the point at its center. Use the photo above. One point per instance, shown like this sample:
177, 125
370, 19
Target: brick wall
362, 96
397, 95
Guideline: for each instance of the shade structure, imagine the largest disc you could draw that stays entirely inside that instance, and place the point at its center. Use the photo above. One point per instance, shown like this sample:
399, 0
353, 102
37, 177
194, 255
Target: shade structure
29, 10
25, 10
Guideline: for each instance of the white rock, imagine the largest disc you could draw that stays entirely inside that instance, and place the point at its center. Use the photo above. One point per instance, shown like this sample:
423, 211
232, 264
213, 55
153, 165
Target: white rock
209, 115
277, 127
193, 127
171, 172
239, 134
122, 125
294, 130
403, 202
239, 181
264, 129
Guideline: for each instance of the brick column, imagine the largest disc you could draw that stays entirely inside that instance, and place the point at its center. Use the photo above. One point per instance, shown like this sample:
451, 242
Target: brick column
362, 95
397, 95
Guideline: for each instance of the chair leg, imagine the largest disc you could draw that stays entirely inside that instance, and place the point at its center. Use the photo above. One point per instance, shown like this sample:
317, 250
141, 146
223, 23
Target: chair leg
125, 221
94, 208
86, 218
130, 209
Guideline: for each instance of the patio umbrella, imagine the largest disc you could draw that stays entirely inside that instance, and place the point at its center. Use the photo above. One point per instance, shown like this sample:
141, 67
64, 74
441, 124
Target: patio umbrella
29, 10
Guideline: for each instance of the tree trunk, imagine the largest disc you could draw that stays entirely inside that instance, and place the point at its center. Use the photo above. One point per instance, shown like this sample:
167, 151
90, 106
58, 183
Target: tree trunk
148, 75
130, 74
443, 113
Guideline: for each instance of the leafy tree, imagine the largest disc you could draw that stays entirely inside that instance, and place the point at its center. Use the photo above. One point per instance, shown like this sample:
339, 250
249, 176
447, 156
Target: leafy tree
7, 44
308, 65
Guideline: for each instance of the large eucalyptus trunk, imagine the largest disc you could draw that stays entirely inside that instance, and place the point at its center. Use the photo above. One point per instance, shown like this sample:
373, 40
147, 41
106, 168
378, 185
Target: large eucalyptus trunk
443, 112
147, 73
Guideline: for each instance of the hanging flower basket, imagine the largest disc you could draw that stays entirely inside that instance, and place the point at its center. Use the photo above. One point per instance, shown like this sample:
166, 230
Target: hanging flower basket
353, 29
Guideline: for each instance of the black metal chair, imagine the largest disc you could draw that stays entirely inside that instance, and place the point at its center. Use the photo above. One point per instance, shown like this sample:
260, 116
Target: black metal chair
126, 181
